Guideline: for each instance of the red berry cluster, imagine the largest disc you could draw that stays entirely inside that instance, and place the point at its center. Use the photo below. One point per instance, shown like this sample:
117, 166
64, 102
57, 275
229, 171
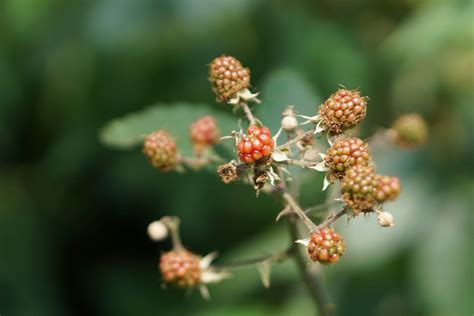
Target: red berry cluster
180, 268
362, 188
343, 110
228, 77
345, 153
204, 131
326, 246
160, 148
256, 145
388, 188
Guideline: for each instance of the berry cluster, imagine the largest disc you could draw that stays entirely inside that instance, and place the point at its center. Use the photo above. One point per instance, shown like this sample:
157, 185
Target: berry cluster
410, 130
343, 110
388, 188
160, 148
358, 188
326, 246
345, 153
204, 131
256, 145
228, 77
362, 188
180, 268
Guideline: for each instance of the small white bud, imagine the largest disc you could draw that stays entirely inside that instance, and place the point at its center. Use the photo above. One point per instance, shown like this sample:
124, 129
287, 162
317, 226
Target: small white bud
385, 219
157, 231
289, 123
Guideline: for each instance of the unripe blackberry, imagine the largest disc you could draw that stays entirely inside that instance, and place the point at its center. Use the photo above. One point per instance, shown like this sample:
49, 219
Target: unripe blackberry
204, 131
258, 144
359, 186
227, 77
345, 153
410, 130
326, 246
343, 110
180, 268
160, 148
388, 188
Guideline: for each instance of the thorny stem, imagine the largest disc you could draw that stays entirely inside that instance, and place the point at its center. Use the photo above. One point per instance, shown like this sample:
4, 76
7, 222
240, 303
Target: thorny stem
301, 214
311, 278
248, 113
332, 218
297, 139
320, 207
276, 257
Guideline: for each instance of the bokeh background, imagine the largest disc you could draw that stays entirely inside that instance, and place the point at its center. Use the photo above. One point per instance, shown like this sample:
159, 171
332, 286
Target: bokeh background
74, 211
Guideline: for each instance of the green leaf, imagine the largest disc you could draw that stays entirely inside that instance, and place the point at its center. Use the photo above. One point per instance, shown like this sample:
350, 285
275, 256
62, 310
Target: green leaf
282, 88
129, 131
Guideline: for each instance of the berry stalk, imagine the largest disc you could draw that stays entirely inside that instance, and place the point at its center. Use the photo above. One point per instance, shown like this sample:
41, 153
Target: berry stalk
248, 113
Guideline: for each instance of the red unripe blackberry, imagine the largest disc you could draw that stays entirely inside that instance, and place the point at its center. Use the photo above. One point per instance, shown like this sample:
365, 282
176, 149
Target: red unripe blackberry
258, 144
343, 110
180, 268
359, 186
204, 131
227, 77
326, 246
345, 153
388, 188
410, 130
160, 148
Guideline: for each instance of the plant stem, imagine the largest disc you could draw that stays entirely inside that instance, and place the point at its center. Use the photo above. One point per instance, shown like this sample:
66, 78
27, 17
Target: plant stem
172, 223
311, 278
276, 257
321, 207
248, 113
333, 217
301, 214
296, 139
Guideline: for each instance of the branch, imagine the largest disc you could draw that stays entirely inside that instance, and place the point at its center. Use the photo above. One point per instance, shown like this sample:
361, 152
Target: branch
333, 217
297, 139
301, 214
276, 257
312, 279
248, 113
320, 207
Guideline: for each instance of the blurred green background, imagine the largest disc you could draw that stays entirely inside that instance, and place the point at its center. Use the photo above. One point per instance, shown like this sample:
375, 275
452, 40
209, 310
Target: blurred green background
73, 212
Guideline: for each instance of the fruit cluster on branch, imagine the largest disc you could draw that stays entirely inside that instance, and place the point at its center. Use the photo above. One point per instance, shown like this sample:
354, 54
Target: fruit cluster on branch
260, 162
